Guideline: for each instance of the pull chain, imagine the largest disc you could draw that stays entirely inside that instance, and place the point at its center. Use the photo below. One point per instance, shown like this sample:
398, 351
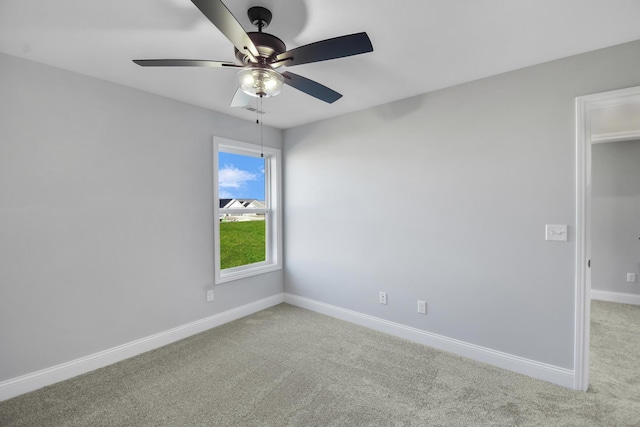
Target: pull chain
261, 138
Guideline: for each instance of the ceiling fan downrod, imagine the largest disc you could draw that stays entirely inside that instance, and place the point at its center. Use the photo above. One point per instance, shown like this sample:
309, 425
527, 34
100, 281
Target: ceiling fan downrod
260, 17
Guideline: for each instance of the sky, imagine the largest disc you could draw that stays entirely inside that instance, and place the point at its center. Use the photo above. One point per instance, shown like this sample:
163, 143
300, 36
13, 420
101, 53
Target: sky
240, 177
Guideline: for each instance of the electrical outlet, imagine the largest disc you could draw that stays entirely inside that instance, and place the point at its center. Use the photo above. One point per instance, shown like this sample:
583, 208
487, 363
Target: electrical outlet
631, 277
383, 297
209, 295
422, 307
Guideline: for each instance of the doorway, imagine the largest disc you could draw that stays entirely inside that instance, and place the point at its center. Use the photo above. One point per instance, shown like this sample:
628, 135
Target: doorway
586, 109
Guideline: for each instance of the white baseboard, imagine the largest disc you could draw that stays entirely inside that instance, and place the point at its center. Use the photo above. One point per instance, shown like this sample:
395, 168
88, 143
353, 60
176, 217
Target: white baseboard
620, 297
560, 376
33, 381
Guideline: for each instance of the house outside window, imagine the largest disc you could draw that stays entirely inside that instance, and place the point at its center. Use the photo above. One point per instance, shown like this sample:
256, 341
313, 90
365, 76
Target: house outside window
247, 225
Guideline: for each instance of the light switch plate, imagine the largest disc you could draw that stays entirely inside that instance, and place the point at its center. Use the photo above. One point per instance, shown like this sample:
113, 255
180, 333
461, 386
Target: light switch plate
555, 232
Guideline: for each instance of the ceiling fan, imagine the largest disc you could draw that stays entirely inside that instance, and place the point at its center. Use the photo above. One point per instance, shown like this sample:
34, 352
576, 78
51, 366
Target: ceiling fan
262, 54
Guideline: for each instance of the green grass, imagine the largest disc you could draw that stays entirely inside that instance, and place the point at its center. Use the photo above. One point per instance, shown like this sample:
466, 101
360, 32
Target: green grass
241, 243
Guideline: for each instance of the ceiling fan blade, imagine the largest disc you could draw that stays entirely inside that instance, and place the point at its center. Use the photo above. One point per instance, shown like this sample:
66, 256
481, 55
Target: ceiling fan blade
228, 25
241, 99
338, 47
311, 87
183, 63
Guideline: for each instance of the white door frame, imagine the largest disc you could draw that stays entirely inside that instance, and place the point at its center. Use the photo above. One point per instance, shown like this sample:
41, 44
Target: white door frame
584, 106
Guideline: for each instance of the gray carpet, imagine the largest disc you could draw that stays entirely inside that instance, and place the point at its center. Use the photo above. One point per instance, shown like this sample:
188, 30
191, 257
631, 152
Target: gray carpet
286, 366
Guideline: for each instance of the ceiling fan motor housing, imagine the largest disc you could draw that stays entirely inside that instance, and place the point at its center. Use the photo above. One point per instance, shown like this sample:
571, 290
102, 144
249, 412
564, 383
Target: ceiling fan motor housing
269, 46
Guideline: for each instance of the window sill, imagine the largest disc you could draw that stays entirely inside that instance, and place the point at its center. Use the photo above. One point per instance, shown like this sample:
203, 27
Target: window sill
243, 272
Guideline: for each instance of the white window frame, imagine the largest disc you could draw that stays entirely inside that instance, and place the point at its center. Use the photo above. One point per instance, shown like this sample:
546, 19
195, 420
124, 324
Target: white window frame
272, 210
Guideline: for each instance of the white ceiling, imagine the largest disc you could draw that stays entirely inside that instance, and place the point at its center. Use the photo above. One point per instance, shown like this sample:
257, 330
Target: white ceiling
419, 45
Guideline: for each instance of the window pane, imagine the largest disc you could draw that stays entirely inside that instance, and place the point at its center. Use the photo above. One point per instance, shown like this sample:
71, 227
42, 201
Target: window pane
242, 240
240, 177
248, 226
241, 185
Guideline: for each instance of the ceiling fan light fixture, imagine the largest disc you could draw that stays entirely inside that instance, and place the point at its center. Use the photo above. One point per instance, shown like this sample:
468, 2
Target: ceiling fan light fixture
260, 82
259, 54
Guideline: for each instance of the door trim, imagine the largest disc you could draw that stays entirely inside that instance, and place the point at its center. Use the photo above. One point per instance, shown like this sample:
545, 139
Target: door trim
584, 106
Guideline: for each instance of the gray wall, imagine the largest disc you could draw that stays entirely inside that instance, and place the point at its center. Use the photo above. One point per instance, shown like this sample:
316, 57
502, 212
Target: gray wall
105, 216
615, 216
444, 197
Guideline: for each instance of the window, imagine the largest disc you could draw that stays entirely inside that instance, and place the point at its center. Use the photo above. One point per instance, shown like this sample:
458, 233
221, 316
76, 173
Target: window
247, 220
